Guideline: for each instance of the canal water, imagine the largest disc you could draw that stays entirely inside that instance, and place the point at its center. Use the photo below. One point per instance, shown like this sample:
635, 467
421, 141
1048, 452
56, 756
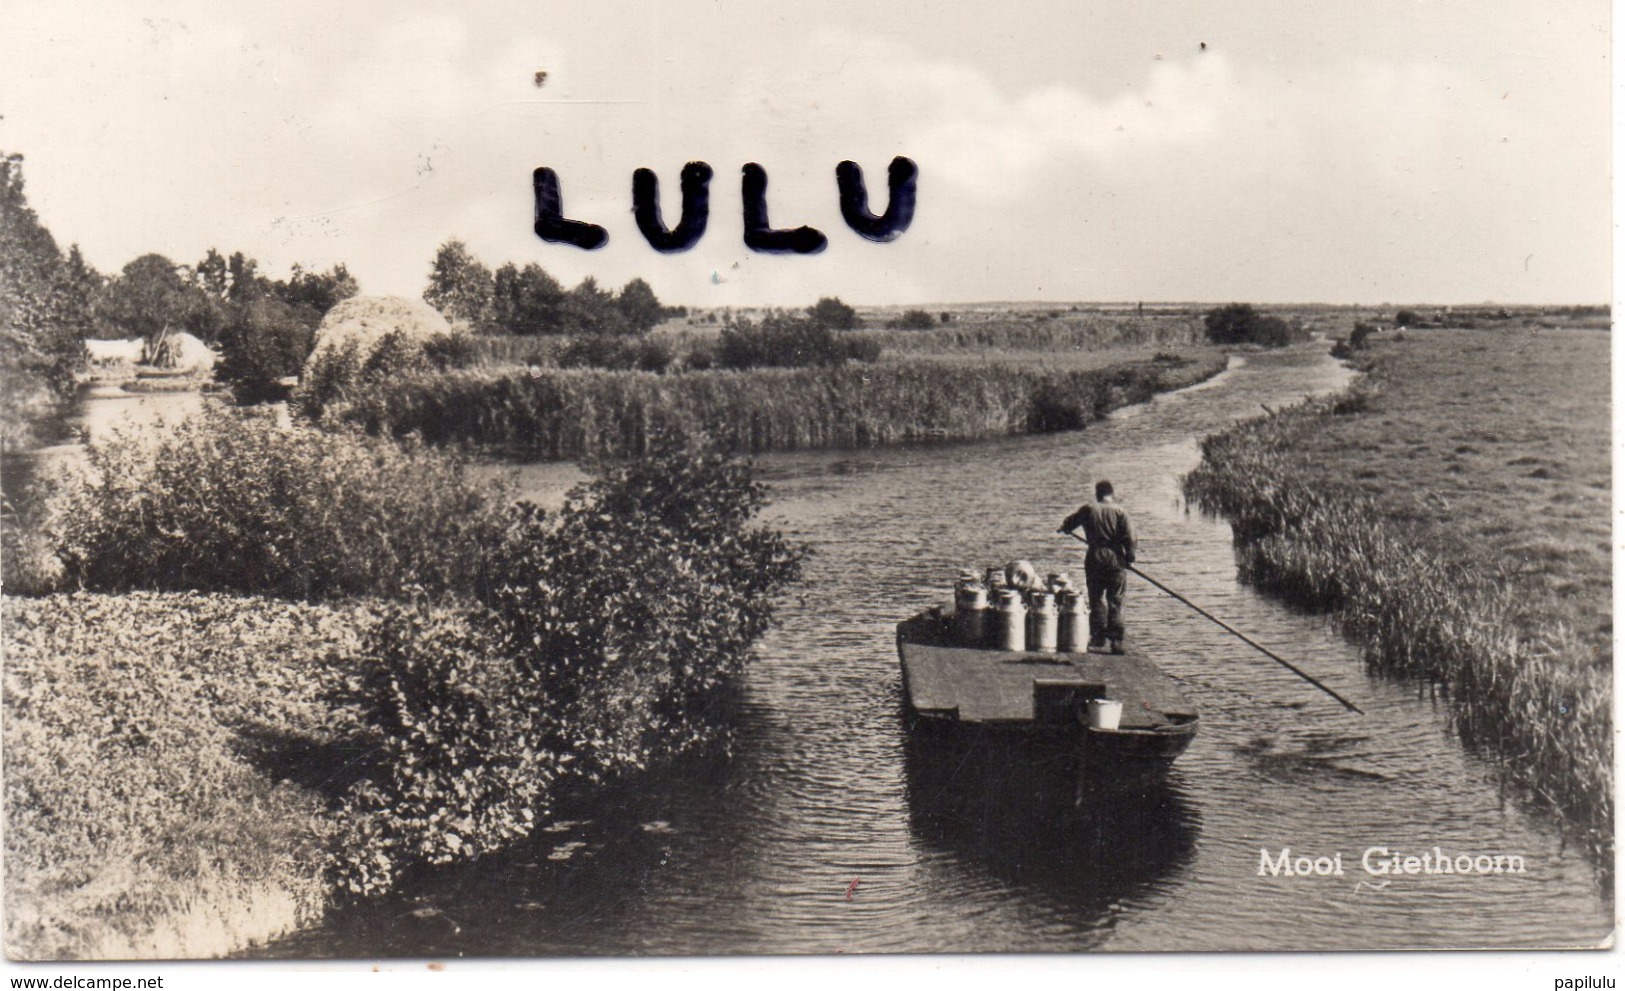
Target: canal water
832, 830
98, 413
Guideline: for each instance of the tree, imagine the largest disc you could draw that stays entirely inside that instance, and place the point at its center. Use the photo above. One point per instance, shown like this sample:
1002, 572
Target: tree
79, 287
832, 313
591, 310
245, 283
44, 308
266, 340
527, 301
320, 291
639, 305
460, 286
213, 275
153, 294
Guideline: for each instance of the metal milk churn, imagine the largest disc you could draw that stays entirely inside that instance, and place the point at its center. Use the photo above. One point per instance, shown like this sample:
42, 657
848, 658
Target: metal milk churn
970, 612
1041, 622
1073, 634
1012, 620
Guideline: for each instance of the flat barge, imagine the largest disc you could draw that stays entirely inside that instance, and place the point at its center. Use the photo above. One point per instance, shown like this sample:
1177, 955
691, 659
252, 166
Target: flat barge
1054, 698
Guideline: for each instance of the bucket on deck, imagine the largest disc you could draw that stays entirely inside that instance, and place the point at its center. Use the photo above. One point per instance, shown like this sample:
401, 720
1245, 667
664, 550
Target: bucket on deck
1105, 713
1012, 620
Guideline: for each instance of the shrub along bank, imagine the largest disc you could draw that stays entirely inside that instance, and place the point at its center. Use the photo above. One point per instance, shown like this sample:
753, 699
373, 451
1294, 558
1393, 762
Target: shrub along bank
1453, 509
550, 414
141, 817
228, 502
433, 721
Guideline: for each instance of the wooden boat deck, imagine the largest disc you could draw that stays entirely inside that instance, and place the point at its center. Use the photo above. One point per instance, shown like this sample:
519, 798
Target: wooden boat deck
984, 685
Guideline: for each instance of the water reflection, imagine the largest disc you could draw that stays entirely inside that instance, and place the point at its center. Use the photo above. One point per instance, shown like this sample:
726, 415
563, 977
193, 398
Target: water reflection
1085, 840
573, 888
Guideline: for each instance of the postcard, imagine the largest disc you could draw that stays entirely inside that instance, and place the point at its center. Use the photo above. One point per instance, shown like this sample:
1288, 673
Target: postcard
519, 482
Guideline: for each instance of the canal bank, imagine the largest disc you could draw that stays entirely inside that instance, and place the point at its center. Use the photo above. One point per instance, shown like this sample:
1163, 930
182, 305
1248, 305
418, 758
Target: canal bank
831, 829
826, 796
1452, 509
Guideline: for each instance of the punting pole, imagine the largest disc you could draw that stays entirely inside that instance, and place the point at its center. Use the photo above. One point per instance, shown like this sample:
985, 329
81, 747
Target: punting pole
1244, 638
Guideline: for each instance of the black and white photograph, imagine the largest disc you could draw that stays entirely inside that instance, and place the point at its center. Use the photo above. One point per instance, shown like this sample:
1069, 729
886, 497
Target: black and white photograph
518, 481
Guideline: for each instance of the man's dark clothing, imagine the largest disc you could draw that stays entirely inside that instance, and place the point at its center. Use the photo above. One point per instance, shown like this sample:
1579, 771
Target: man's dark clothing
1106, 590
1111, 548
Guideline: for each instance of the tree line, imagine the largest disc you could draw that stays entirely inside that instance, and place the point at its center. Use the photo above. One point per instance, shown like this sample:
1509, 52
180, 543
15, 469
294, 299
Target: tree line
529, 301
51, 302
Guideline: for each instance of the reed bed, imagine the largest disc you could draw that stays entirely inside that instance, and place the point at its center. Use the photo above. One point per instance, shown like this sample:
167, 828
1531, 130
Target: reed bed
1528, 679
1008, 332
508, 349
1043, 332
554, 414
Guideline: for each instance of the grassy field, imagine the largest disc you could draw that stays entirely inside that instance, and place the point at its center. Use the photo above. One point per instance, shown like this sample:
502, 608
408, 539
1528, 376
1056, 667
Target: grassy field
1454, 507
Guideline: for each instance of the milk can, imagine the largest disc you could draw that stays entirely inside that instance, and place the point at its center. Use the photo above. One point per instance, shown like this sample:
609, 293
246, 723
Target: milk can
970, 612
1041, 622
1012, 620
1073, 635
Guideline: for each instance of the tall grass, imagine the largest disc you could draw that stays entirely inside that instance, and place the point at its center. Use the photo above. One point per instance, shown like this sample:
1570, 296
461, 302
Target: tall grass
553, 414
1537, 698
514, 349
1044, 332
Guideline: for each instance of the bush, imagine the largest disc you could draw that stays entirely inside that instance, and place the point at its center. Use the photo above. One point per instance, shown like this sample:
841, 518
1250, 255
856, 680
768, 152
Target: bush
654, 355
1239, 323
913, 320
832, 314
128, 796
789, 342
454, 350
451, 769
1406, 318
265, 340
702, 356
230, 502
611, 639
634, 612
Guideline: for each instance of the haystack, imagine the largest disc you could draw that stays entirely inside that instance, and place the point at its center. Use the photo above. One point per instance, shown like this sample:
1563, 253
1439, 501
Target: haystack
190, 353
367, 320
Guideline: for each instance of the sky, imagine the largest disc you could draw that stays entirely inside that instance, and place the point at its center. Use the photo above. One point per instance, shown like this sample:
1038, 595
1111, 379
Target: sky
1269, 151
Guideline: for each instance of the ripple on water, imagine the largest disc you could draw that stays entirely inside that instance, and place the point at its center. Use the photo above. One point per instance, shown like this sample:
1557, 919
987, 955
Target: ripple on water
833, 830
